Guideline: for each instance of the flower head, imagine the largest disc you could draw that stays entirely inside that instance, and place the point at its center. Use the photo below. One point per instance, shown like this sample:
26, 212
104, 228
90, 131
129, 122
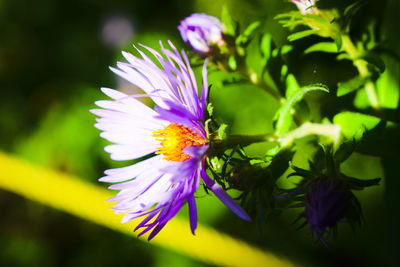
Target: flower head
306, 6
171, 136
201, 31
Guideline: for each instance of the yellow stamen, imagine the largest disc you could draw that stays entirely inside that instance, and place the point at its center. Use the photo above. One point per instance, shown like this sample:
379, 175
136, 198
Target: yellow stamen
174, 138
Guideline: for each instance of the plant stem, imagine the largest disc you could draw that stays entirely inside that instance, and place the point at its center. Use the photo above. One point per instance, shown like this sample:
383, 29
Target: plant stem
244, 140
331, 130
252, 76
362, 68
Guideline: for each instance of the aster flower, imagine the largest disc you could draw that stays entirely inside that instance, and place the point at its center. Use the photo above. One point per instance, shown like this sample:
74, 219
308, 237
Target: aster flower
201, 31
171, 137
306, 6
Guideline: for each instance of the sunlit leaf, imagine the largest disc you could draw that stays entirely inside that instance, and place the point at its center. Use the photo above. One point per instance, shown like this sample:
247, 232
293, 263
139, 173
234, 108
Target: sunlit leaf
245, 38
266, 47
232, 62
351, 85
227, 21
292, 86
298, 35
387, 86
326, 47
375, 60
284, 114
351, 122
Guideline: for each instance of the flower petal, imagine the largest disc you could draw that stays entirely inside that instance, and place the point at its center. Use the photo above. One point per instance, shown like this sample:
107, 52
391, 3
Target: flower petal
224, 197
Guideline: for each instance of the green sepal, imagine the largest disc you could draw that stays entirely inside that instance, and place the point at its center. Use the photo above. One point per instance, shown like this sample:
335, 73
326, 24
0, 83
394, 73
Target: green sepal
302, 173
358, 184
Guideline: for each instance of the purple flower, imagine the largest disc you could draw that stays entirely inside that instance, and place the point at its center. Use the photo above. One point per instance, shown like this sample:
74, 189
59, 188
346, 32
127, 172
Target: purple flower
327, 201
306, 6
171, 136
201, 31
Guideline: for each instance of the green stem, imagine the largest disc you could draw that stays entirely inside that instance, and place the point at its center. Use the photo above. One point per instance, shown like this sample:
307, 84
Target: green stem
330, 130
243, 140
362, 68
253, 78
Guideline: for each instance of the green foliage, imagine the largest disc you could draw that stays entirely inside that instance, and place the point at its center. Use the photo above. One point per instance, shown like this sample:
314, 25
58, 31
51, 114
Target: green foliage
351, 122
227, 21
326, 47
244, 39
351, 85
284, 116
388, 87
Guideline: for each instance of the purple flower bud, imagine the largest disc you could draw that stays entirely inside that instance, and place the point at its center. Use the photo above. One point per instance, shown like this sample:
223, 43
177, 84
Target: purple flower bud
201, 31
327, 201
305, 6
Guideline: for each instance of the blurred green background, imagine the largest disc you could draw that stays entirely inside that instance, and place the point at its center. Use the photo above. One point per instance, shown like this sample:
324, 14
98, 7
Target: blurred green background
54, 57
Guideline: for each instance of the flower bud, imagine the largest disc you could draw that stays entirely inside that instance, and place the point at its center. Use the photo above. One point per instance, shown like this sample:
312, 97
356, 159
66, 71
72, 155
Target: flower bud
201, 32
327, 202
305, 6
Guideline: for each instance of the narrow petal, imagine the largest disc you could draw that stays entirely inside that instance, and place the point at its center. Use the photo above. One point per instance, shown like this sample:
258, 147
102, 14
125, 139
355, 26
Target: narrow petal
192, 213
224, 197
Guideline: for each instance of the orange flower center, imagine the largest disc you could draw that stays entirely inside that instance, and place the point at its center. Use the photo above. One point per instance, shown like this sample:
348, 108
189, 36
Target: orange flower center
174, 138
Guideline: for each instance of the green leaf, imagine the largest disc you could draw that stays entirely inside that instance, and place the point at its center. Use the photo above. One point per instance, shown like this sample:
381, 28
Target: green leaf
351, 122
256, 161
251, 28
345, 150
210, 109
284, 116
348, 147
338, 41
266, 47
232, 62
222, 131
351, 85
292, 86
245, 37
298, 35
227, 21
285, 49
375, 60
326, 47
387, 85
361, 101
215, 164
280, 163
